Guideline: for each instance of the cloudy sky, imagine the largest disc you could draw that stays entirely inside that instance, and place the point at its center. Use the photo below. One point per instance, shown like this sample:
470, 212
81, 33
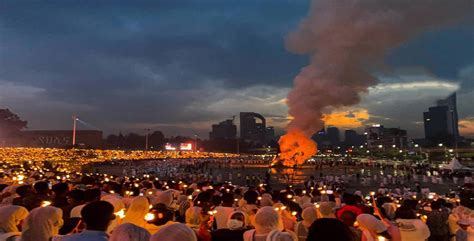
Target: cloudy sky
179, 66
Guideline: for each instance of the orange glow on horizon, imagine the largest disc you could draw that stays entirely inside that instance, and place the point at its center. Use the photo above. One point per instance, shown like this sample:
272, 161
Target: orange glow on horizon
466, 127
347, 119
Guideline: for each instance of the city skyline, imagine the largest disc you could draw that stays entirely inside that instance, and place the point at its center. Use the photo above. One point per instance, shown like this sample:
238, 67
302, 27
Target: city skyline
116, 66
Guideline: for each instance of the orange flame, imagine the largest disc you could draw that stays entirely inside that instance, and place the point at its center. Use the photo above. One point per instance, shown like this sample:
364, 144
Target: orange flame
296, 147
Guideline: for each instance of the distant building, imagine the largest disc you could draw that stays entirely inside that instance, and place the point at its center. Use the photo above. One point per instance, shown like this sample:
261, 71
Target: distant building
224, 130
270, 134
352, 138
60, 138
380, 137
321, 138
252, 127
333, 135
441, 122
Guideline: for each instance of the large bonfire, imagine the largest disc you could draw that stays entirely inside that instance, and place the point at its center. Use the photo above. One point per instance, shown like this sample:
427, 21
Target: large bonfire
347, 41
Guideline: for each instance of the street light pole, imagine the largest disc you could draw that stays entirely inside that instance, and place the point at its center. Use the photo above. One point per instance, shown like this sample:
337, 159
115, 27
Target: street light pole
74, 118
454, 133
146, 139
238, 145
195, 142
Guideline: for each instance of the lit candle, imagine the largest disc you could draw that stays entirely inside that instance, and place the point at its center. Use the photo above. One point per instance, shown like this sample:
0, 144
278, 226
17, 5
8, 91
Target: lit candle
149, 216
121, 213
45, 203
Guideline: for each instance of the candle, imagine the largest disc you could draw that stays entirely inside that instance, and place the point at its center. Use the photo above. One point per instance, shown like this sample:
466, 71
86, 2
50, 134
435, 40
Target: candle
149, 216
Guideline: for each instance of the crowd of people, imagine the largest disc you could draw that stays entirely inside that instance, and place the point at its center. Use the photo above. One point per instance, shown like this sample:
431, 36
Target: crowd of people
40, 203
76, 158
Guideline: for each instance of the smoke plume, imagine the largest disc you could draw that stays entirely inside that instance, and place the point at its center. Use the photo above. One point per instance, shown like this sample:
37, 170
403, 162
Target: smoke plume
347, 41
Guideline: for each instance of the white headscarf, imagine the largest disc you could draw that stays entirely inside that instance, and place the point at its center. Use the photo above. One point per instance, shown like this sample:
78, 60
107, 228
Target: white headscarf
165, 198
390, 209
370, 226
42, 223
267, 219
137, 211
325, 210
280, 236
245, 223
174, 232
193, 216
129, 232
309, 215
118, 206
10, 218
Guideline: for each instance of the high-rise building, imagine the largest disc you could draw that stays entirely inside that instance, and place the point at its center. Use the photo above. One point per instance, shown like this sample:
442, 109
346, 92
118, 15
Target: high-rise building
270, 134
252, 127
321, 138
224, 130
352, 138
441, 122
381, 137
333, 135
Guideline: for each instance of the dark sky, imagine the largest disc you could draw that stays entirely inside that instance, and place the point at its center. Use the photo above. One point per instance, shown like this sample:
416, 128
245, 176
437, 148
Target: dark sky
179, 66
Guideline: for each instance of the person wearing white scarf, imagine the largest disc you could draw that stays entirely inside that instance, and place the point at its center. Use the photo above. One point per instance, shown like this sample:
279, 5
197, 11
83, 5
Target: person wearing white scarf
137, 211
10, 218
175, 232
129, 232
267, 220
42, 224
371, 227
309, 215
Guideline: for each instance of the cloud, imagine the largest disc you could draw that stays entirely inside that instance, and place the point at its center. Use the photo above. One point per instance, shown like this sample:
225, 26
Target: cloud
426, 85
179, 66
466, 126
349, 119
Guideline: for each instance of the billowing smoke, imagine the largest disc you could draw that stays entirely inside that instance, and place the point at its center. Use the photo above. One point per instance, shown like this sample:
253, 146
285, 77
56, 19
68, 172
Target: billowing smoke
347, 41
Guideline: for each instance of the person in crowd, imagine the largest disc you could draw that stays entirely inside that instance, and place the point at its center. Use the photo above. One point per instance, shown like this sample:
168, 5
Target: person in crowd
175, 232
224, 210
411, 228
329, 229
60, 191
96, 217
288, 218
136, 212
42, 224
326, 210
309, 215
349, 218
372, 228
464, 212
267, 220
42, 190
250, 204
23, 192
163, 216
350, 201
235, 228
74, 199
462, 233
11, 218
129, 232
90, 195
437, 222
